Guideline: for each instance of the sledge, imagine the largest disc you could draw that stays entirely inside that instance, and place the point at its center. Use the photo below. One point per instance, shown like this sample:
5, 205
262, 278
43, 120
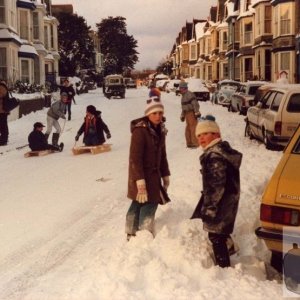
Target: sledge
38, 153
91, 149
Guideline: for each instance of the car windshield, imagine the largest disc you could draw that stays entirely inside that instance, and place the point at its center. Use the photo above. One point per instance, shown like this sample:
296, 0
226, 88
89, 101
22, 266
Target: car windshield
253, 89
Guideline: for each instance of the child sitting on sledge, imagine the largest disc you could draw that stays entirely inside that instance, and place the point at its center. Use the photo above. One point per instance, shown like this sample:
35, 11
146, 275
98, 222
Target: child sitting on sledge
38, 141
93, 128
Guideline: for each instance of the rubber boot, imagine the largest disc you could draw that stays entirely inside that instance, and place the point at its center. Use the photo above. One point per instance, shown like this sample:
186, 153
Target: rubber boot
61, 147
221, 253
55, 137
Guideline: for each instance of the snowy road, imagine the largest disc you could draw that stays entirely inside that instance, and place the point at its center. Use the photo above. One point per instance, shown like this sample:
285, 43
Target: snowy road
62, 216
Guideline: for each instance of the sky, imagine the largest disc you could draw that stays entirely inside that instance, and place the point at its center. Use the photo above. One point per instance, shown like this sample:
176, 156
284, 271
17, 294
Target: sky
154, 24
62, 217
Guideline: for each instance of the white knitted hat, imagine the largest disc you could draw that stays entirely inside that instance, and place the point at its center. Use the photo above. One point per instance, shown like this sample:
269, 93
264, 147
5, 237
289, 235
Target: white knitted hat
206, 125
153, 105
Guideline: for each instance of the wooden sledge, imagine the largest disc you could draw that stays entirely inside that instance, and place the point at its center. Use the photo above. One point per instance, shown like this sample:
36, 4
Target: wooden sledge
38, 153
91, 149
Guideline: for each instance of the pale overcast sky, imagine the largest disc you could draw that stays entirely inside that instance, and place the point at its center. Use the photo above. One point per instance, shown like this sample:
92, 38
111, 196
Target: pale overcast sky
154, 24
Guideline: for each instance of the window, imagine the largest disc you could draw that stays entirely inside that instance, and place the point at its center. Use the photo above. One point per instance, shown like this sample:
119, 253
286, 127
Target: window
3, 63
224, 40
248, 33
258, 20
2, 12
284, 61
276, 102
294, 103
267, 99
35, 18
285, 19
193, 52
46, 42
25, 71
24, 25
268, 19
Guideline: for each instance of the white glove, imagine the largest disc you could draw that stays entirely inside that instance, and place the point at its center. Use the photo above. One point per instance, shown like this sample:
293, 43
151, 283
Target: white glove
142, 195
166, 182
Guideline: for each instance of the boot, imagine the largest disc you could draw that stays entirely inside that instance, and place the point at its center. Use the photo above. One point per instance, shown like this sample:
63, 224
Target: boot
69, 117
221, 254
61, 147
55, 137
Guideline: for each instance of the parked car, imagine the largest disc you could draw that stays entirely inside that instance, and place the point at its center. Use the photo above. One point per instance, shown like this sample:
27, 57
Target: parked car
114, 86
275, 117
131, 84
280, 205
172, 85
225, 89
197, 86
161, 84
244, 97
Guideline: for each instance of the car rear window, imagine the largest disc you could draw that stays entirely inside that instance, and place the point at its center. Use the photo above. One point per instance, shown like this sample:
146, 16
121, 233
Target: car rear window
253, 89
297, 147
294, 103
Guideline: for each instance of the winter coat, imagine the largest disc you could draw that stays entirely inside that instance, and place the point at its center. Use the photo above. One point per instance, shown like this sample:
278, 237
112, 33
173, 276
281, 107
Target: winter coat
69, 90
93, 130
57, 110
189, 103
147, 158
37, 141
221, 187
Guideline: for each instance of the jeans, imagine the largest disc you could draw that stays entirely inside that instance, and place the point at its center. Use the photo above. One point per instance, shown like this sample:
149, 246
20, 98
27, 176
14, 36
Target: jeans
140, 216
52, 122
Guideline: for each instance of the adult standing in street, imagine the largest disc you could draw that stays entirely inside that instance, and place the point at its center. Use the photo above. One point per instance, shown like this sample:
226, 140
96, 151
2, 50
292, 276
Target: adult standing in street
69, 90
218, 204
56, 111
148, 168
189, 113
3, 114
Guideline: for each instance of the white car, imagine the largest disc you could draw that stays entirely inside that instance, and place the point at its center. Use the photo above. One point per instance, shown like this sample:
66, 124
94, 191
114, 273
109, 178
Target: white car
197, 86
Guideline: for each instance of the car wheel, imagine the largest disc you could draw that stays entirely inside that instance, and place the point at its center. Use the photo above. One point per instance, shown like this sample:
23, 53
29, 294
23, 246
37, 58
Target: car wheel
266, 140
248, 132
276, 261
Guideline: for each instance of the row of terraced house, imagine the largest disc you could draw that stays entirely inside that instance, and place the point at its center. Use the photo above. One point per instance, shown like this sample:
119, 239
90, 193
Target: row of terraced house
29, 49
241, 40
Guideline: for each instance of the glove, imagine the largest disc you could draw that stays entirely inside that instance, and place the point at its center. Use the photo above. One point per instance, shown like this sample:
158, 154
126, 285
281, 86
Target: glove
166, 182
108, 135
142, 195
197, 115
182, 118
77, 137
207, 219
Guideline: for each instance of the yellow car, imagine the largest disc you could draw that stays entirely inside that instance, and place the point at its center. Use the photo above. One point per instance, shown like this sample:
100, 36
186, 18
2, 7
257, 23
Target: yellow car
280, 205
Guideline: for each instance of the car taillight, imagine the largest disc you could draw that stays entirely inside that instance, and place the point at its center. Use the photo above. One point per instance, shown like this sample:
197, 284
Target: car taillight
279, 215
277, 128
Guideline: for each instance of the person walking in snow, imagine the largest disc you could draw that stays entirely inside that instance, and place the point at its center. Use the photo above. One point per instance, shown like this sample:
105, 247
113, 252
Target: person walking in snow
38, 142
93, 128
3, 114
218, 204
55, 112
148, 168
69, 90
189, 113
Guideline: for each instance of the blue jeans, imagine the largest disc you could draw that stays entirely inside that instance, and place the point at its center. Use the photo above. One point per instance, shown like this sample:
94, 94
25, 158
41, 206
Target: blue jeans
140, 216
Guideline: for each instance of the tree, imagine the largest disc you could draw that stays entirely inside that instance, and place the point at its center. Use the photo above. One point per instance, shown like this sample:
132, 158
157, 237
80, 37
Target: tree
76, 47
165, 67
118, 48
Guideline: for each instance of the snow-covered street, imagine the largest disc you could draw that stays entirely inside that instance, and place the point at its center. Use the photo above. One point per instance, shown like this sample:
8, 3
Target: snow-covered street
62, 216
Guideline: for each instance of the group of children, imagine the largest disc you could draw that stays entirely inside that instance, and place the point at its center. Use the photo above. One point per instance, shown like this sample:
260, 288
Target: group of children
93, 128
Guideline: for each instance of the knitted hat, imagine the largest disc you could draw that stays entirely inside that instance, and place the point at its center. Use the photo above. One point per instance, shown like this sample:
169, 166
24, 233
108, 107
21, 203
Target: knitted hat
64, 94
91, 109
207, 124
153, 105
183, 85
154, 92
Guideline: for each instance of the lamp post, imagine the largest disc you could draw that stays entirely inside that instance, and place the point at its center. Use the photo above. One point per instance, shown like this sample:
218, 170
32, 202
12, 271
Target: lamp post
233, 50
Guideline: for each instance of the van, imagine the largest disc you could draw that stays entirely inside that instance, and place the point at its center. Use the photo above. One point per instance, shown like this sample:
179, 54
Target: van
275, 117
280, 205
